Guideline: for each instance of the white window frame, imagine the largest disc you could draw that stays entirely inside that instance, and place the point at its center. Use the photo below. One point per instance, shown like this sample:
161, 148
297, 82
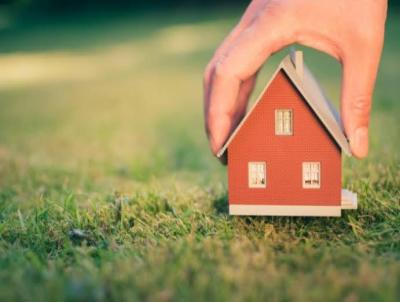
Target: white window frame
311, 175
283, 121
250, 175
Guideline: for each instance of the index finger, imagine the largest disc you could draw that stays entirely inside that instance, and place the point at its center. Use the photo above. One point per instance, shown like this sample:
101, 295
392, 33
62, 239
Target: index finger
241, 61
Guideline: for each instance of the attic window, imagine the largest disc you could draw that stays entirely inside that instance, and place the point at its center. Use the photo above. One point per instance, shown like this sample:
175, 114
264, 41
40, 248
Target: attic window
257, 175
311, 175
283, 122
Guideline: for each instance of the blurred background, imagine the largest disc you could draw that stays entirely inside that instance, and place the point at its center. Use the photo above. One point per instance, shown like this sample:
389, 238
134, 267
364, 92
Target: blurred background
119, 80
102, 99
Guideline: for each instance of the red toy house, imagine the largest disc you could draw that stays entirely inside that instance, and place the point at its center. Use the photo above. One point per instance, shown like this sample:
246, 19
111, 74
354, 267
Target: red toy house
284, 158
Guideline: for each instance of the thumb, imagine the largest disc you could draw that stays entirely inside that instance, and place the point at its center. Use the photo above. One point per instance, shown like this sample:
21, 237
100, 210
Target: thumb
359, 74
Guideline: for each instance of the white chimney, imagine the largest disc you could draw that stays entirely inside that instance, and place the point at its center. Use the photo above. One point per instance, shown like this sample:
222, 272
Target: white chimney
298, 63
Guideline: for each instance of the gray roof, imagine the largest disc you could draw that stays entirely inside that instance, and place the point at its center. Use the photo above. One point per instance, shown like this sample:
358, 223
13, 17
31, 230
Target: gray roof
308, 86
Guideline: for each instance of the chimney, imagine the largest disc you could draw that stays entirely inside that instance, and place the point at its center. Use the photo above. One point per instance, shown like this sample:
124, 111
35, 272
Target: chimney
298, 63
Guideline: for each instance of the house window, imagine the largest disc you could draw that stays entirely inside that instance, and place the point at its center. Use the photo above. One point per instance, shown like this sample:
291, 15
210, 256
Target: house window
283, 122
257, 175
311, 175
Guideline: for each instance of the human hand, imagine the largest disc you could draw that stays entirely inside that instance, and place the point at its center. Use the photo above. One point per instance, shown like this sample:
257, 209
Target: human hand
350, 31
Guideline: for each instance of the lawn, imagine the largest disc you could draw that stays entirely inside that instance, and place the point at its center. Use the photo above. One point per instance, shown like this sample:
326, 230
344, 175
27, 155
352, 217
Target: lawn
108, 191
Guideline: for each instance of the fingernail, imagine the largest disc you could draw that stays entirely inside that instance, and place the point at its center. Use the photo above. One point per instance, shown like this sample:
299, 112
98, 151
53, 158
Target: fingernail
359, 143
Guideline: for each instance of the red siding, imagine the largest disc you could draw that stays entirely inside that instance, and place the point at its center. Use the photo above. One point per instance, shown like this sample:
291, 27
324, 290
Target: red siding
256, 141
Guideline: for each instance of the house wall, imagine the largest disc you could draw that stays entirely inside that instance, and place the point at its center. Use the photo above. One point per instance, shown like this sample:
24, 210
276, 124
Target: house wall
284, 155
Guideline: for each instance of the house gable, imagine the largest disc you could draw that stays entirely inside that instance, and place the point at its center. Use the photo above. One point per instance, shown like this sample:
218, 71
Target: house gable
308, 87
256, 141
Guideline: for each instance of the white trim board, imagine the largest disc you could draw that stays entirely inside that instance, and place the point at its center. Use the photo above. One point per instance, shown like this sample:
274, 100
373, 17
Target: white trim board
289, 210
348, 202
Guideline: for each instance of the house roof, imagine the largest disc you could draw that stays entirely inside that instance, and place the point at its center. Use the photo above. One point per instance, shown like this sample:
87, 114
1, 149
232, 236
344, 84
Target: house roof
309, 88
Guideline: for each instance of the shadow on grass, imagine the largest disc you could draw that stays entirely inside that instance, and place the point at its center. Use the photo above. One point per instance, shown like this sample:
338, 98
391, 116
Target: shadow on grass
220, 204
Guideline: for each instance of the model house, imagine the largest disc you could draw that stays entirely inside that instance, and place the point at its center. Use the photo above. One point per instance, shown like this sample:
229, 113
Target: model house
284, 158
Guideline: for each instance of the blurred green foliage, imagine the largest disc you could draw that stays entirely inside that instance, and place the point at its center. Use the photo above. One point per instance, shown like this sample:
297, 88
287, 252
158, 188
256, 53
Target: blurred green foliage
72, 5
66, 6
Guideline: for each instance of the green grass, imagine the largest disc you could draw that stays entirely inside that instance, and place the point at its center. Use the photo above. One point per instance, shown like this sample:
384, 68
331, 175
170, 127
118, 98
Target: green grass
108, 190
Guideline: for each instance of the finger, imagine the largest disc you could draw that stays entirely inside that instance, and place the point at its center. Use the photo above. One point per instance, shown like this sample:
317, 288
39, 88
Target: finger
245, 90
359, 74
251, 49
244, 22
219, 115
221, 49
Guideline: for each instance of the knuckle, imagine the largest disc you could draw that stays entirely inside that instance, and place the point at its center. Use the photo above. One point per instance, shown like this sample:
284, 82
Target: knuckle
219, 69
370, 37
361, 106
223, 69
211, 115
214, 113
217, 114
